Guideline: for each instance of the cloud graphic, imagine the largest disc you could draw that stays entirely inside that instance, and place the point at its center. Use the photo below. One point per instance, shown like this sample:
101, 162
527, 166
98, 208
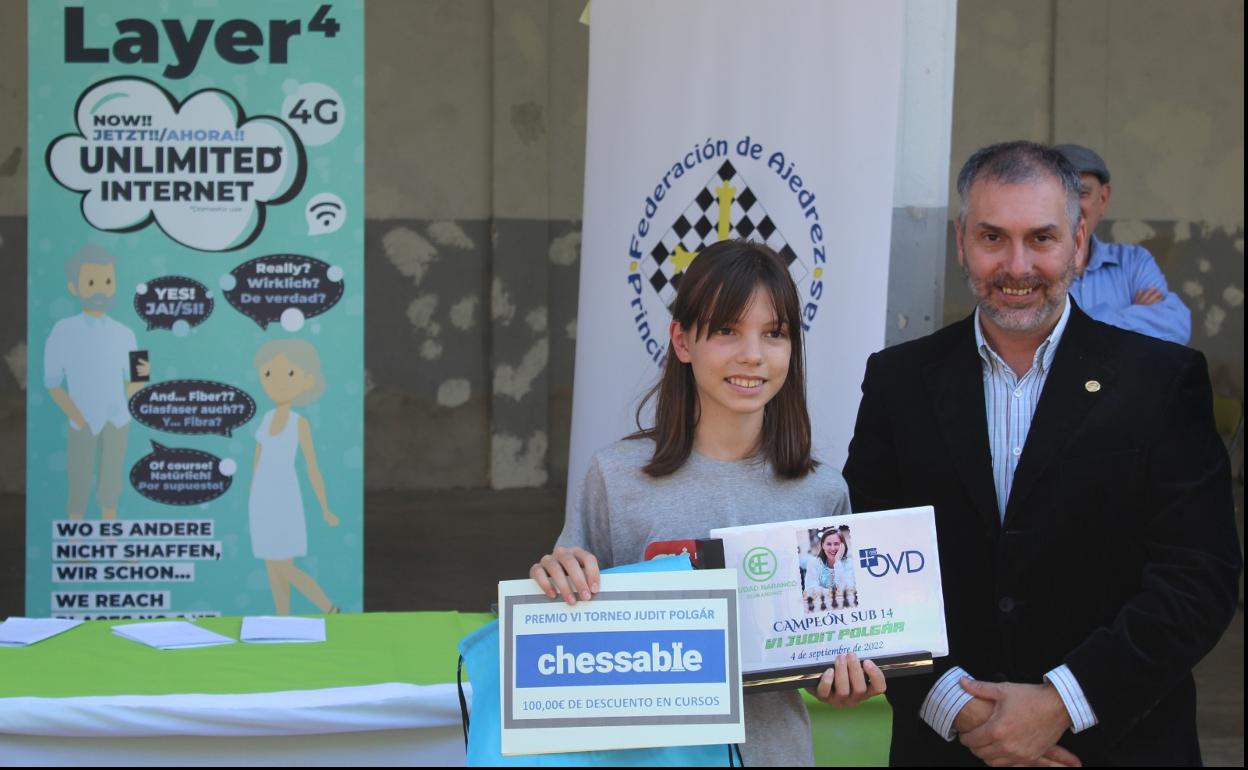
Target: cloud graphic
201, 169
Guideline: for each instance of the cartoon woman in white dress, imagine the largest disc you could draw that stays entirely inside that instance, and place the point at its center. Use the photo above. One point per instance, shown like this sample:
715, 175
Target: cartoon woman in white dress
290, 373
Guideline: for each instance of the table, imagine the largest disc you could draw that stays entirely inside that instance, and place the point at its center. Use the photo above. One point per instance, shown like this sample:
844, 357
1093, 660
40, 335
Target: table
380, 691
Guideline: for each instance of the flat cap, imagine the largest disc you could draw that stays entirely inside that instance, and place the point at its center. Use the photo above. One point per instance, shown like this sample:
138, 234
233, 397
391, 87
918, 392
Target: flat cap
1085, 161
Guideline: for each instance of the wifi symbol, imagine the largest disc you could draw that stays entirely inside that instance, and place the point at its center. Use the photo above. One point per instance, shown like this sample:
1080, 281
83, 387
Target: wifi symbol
325, 214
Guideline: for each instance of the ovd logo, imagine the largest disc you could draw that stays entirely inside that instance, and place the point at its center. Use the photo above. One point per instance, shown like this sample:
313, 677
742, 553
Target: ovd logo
759, 564
881, 564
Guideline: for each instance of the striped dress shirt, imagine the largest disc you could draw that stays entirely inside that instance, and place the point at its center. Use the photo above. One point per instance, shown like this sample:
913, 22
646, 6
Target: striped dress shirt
1011, 403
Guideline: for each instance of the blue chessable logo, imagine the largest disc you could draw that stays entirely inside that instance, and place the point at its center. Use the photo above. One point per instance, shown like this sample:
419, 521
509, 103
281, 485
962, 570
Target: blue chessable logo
881, 564
621, 657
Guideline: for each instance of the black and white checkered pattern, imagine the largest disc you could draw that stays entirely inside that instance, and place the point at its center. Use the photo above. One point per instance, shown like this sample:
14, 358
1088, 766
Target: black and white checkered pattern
697, 227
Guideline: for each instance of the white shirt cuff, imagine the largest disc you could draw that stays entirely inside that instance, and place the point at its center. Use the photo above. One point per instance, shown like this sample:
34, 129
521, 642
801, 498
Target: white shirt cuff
1081, 714
944, 702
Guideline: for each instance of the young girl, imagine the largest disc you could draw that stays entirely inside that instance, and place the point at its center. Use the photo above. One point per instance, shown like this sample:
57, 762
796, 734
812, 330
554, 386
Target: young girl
290, 374
835, 571
730, 446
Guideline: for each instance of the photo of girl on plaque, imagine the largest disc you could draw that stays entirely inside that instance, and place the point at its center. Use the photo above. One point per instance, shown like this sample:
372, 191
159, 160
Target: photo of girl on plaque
828, 581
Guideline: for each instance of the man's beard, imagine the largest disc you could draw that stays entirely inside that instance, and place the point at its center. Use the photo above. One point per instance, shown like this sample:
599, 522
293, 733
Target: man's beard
100, 302
1021, 319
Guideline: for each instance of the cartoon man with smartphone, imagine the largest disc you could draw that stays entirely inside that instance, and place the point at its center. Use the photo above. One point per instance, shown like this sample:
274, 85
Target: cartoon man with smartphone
90, 372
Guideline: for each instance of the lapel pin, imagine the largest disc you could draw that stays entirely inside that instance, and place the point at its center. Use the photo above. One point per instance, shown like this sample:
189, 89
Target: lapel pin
1092, 386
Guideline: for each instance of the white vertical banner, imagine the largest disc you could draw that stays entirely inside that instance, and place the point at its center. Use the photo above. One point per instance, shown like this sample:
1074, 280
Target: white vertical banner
713, 119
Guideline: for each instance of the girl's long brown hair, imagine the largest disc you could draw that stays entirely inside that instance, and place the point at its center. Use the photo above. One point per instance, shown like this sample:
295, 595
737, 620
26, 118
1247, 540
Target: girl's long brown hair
715, 292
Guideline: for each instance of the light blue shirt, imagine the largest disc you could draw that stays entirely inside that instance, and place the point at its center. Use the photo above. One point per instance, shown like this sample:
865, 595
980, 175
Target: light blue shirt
1010, 402
90, 358
1116, 272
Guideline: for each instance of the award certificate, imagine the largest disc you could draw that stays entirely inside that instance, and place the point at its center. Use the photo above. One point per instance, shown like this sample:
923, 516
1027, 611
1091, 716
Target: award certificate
810, 590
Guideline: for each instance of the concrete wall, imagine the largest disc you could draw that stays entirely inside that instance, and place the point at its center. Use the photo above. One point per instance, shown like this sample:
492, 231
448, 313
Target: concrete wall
1157, 88
475, 137
13, 161
916, 275
476, 134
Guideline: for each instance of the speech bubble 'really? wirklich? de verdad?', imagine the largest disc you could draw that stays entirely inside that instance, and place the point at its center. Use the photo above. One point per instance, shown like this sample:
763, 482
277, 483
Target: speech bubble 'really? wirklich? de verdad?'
286, 288
173, 302
176, 476
192, 407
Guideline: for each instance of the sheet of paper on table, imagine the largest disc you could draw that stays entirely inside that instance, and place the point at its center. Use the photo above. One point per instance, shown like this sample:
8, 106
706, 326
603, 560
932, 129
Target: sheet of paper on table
20, 632
171, 635
271, 630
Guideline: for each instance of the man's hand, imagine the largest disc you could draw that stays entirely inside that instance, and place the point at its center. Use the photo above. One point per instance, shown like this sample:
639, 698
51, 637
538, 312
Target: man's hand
76, 420
977, 712
568, 572
1149, 296
1023, 729
849, 682
67, 405
972, 715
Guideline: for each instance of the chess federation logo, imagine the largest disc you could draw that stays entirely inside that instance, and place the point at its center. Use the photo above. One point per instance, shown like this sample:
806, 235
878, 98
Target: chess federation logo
759, 564
725, 206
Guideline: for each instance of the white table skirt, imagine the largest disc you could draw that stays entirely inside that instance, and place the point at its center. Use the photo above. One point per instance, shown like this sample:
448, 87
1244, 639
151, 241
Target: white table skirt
386, 724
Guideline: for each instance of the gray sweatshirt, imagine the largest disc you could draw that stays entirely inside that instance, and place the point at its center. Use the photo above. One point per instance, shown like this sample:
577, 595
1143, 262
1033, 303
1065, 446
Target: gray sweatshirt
621, 510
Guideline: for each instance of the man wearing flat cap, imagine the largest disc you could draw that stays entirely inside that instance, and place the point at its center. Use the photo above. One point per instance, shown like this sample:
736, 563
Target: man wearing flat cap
1120, 283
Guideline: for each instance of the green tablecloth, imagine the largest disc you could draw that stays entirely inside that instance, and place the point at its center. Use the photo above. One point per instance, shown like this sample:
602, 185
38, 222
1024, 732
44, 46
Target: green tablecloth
371, 648
856, 737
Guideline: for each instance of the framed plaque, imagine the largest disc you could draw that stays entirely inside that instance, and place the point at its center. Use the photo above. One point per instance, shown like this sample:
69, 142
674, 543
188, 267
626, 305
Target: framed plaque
810, 590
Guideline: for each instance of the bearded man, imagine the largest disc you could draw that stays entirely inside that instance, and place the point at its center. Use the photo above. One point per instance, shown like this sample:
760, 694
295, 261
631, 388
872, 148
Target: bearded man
86, 369
1083, 499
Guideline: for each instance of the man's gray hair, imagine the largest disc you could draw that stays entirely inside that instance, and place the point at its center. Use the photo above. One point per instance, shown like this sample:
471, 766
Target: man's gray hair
1017, 162
89, 254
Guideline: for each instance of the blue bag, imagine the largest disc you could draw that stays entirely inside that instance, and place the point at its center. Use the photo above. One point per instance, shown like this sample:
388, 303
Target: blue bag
479, 651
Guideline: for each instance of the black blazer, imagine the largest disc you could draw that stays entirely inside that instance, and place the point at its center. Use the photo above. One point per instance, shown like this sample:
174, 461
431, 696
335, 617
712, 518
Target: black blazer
1118, 555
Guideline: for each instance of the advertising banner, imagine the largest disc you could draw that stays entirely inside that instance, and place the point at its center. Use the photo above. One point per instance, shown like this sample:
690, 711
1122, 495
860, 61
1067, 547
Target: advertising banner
786, 136
195, 308
651, 661
867, 583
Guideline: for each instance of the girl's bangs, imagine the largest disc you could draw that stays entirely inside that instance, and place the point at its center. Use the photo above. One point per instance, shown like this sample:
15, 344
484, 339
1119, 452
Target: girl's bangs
724, 304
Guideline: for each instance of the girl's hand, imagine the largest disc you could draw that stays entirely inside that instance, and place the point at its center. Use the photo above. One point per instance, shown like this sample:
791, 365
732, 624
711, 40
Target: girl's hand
568, 572
330, 518
849, 682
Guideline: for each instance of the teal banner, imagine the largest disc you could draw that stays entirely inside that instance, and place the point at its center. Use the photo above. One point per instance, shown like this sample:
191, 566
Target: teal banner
194, 440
